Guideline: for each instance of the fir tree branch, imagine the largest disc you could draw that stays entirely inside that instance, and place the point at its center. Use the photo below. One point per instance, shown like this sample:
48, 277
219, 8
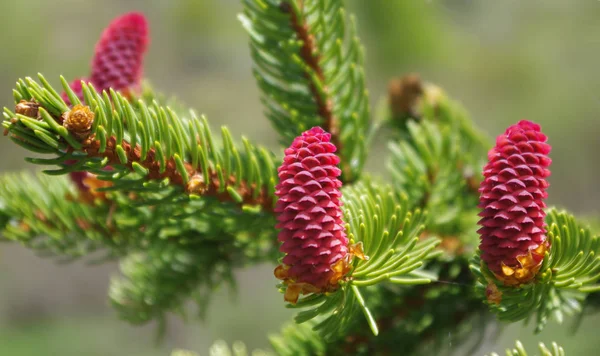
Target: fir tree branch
309, 67
160, 163
195, 185
411, 100
198, 242
416, 320
436, 160
310, 55
162, 278
570, 270
36, 211
388, 233
427, 173
150, 142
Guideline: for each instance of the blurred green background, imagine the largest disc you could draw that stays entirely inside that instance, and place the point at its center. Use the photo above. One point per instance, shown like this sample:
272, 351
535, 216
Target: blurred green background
504, 60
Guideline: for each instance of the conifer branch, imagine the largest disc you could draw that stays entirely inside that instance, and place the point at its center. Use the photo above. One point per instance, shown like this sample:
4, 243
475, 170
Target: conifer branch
309, 53
430, 155
195, 185
161, 279
183, 212
436, 160
155, 158
152, 142
309, 67
570, 270
393, 254
36, 211
411, 100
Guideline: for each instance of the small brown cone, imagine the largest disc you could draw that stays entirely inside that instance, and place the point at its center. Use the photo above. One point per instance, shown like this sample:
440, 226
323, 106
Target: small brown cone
79, 121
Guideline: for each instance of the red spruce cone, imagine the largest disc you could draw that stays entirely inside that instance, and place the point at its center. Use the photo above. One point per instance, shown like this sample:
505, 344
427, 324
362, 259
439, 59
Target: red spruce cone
310, 216
119, 55
513, 237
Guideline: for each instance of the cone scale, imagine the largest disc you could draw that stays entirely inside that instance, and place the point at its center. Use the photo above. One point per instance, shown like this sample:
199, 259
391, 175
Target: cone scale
512, 194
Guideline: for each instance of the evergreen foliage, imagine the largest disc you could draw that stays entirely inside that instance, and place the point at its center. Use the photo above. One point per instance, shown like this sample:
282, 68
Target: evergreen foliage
37, 211
568, 273
309, 67
519, 350
389, 233
182, 208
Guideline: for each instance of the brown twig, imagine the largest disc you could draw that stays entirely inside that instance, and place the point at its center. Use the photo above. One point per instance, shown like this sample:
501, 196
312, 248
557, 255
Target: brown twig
196, 185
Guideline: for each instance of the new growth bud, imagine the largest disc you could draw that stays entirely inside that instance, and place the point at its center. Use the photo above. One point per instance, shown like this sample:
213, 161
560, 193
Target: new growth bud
403, 95
79, 121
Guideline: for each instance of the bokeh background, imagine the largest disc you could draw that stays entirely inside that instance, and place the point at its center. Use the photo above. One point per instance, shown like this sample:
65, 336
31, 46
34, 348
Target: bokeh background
504, 60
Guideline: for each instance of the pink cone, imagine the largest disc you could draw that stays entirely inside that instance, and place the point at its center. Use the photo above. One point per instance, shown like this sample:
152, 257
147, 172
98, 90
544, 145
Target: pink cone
513, 236
309, 209
119, 55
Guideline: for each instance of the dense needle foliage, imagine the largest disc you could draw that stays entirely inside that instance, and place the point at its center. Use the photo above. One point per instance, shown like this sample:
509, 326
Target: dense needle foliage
372, 267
